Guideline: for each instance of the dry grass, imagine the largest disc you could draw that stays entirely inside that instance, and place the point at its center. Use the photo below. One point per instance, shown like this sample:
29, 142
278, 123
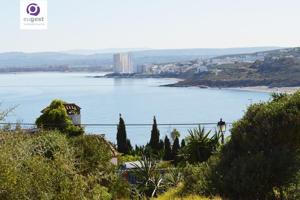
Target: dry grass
174, 194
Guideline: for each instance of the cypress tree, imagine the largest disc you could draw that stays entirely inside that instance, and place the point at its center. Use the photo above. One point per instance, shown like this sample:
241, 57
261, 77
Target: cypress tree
154, 140
175, 148
182, 143
168, 151
129, 145
122, 141
161, 145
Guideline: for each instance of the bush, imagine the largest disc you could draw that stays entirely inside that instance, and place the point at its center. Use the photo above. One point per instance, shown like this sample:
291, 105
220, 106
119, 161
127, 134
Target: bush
93, 154
52, 166
263, 154
55, 117
74, 130
128, 158
197, 178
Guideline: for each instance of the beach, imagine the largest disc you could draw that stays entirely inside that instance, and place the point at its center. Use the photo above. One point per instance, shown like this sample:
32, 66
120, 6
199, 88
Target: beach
287, 90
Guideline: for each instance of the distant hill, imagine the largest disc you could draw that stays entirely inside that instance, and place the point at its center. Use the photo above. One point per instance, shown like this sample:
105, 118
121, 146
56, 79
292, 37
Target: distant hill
92, 58
280, 68
103, 51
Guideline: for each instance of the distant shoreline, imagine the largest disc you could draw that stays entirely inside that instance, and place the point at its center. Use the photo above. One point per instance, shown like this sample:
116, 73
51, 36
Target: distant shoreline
265, 89
288, 90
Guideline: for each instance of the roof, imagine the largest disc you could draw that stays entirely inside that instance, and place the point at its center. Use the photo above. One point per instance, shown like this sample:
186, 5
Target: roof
68, 107
71, 106
132, 164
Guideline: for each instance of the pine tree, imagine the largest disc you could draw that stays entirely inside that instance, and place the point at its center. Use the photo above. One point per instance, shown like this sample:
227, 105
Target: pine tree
154, 140
168, 151
182, 143
175, 148
122, 141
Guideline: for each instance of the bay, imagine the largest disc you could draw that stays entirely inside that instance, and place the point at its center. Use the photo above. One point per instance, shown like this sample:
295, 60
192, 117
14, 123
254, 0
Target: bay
102, 99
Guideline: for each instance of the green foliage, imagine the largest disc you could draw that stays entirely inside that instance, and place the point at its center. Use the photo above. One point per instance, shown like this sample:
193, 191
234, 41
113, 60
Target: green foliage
50, 165
177, 193
175, 149
154, 140
128, 158
200, 146
124, 145
74, 130
50, 146
167, 150
150, 180
173, 177
263, 153
93, 154
119, 188
198, 177
55, 117
175, 134
182, 143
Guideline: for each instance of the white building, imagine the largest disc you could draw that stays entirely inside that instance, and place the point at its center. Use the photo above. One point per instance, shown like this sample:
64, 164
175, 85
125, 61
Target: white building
123, 63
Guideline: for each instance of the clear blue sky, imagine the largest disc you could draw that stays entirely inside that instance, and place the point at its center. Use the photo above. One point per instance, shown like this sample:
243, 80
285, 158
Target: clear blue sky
100, 24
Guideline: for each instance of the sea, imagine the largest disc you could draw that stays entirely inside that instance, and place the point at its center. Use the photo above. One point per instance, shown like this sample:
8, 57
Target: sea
102, 100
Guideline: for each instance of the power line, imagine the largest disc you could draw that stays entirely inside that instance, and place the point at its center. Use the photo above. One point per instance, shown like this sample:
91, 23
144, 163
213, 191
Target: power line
110, 125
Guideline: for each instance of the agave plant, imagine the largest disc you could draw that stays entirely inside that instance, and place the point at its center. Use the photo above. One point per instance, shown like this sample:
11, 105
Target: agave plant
149, 178
200, 146
173, 177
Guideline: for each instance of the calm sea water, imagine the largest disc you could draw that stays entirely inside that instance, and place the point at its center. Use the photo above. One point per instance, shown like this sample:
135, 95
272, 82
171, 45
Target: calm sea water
102, 99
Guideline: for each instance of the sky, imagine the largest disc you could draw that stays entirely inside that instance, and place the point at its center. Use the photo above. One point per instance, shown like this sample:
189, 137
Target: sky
157, 24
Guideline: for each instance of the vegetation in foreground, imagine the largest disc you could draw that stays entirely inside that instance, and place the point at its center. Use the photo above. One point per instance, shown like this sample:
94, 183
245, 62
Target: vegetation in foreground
50, 165
261, 160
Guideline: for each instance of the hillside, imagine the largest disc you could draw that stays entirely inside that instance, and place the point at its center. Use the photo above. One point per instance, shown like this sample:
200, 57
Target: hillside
96, 58
280, 68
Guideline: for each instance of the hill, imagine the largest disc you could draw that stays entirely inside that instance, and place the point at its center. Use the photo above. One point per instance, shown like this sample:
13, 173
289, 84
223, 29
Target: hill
279, 68
104, 58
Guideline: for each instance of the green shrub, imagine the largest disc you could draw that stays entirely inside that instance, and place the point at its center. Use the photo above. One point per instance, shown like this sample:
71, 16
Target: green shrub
51, 165
55, 117
93, 154
263, 153
197, 178
73, 130
128, 158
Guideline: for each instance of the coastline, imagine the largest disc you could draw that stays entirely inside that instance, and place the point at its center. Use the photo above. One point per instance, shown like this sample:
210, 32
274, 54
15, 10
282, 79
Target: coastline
287, 90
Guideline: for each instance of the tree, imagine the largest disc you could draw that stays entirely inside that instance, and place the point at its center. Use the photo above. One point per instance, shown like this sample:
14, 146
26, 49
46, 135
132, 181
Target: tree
55, 117
123, 143
175, 149
175, 134
262, 156
182, 143
168, 150
129, 145
154, 140
161, 145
